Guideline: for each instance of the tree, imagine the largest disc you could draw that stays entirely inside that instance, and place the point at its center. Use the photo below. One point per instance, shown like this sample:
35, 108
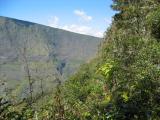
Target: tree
128, 66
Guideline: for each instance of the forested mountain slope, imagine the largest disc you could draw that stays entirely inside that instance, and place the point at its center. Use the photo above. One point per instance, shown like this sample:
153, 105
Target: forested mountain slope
47, 51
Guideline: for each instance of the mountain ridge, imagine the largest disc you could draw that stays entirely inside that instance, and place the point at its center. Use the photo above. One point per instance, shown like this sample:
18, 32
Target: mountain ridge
30, 22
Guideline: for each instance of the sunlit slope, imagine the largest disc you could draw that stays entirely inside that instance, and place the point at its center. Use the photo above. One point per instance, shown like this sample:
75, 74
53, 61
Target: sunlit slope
48, 51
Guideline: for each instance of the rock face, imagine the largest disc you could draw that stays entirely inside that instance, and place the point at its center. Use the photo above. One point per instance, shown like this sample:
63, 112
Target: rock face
49, 52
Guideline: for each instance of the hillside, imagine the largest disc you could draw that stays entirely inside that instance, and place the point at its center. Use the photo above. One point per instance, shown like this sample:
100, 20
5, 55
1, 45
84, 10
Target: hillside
49, 52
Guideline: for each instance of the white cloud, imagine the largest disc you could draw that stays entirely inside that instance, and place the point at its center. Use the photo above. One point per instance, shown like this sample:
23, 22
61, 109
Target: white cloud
108, 21
82, 29
77, 28
83, 15
53, 21
99, 34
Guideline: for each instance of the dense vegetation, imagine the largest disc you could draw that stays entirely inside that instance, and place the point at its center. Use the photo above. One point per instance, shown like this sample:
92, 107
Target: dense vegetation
123, 82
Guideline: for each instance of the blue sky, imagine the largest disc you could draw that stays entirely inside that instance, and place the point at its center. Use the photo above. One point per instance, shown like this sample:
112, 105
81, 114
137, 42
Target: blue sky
83, 16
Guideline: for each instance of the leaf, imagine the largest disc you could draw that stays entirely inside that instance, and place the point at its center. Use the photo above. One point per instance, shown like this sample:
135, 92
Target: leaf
125, 96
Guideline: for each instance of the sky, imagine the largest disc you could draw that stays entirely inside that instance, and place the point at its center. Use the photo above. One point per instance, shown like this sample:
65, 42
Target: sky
91, 17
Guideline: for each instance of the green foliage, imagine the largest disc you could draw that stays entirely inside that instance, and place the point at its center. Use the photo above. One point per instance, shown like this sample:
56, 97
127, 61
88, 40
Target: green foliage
106, 68
123, 82
9, 111
154, 22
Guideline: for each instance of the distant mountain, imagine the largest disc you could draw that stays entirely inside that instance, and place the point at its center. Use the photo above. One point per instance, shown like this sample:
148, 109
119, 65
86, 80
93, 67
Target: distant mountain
49, 52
